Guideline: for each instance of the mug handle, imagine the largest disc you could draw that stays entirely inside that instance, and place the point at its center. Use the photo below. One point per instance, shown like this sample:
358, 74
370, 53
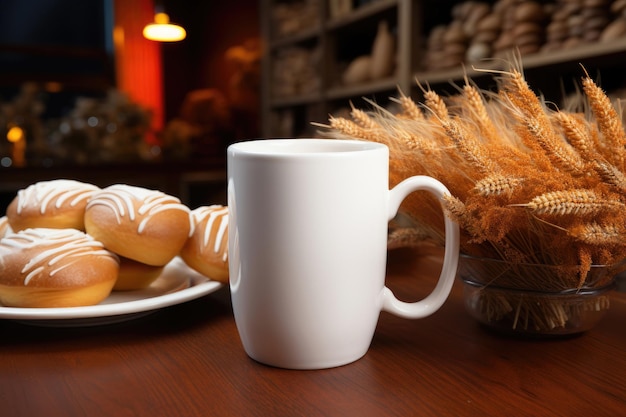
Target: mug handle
439, 295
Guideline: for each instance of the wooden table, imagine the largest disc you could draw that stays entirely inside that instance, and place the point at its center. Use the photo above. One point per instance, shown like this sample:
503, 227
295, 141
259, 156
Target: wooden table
187, 360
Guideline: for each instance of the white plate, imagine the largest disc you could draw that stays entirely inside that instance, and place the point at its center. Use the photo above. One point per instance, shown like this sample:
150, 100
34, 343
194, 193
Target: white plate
177, 284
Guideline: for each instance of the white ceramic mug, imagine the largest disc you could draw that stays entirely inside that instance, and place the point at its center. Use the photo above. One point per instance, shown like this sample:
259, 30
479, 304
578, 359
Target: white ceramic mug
308, 248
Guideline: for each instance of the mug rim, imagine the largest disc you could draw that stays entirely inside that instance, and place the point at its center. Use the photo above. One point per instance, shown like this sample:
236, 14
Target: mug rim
290, 147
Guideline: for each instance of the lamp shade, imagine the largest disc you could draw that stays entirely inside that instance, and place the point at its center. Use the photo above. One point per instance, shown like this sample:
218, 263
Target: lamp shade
164, 31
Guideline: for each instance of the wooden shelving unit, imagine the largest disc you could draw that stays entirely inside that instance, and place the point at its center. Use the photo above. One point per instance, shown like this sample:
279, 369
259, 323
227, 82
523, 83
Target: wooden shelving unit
592, 56
356, 28
546, 72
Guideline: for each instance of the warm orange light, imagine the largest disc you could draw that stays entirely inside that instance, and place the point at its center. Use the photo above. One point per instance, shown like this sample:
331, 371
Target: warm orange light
164, 31
53, 87
15, 134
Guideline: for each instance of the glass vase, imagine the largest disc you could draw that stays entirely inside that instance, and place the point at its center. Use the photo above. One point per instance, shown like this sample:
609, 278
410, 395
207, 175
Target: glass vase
535, 299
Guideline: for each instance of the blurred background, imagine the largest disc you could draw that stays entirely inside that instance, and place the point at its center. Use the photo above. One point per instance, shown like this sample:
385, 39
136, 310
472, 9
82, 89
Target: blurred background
84, 94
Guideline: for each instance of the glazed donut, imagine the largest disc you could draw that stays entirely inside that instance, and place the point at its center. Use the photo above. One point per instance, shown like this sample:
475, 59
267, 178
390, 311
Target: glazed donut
5, 229
56, 204
135, 275
206, 250
54, 268
144, 225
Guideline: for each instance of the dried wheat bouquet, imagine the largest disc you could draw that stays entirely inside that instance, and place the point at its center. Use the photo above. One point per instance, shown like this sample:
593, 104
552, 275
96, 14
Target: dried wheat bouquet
529, 182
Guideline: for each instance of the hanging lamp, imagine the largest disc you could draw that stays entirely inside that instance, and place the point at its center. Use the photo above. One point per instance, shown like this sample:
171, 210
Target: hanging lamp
162, 30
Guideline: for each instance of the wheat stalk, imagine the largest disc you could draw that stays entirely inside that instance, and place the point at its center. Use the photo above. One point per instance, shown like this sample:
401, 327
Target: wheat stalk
597, 234
347, 127
557, 151
497, 184
436, 105
406, 237
517, 90
458, 212
468, 145
610, 174
478, 112
410, 110
533, 115
363, 119
529, 185
411, 139
609, 122
577, 133
578, 202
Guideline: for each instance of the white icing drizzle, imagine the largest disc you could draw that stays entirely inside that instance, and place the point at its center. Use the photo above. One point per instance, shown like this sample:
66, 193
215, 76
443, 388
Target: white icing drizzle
121, 199
5, 229
214, 214
64, 247
41, 194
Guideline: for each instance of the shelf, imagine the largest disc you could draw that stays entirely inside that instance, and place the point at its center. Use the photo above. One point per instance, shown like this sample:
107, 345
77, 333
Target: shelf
337, 93
342, 39
362, 12
339, 40
343, 92
309, 34
297, 100
580, 53
607, 51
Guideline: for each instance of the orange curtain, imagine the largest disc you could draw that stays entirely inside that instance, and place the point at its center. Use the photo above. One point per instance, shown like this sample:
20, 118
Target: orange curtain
138, 61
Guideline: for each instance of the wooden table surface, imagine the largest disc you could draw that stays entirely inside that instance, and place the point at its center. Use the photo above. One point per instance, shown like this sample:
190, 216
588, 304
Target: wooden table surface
187, 360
